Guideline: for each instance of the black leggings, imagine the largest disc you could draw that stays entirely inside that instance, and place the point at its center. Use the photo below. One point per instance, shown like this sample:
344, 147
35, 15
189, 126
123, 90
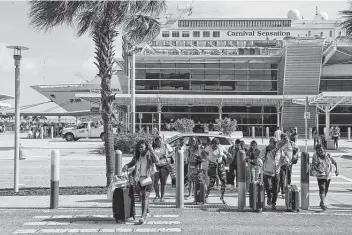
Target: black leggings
323, 186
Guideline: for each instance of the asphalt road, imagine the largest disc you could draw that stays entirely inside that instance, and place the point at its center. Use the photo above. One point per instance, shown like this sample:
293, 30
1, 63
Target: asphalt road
173, 221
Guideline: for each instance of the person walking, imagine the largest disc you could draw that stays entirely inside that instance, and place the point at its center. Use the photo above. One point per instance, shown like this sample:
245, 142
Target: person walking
233, 150
335, 135
193, 152
323, 166
252, 160
272, 160
143, 160
217, 156
288, 150
164, 152
315, 136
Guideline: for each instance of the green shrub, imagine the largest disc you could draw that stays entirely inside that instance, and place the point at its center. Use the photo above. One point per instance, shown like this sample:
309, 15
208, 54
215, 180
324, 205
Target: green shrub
226, 125
127, 142
184, 125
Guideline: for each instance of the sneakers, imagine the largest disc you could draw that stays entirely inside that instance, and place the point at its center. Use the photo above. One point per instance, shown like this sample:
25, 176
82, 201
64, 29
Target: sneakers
268, 201
273, 207
141, 220
222, 199
322, 206
283, 195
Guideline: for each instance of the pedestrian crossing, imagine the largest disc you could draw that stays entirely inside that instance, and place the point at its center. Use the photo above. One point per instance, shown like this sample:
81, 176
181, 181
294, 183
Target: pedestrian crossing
99, 224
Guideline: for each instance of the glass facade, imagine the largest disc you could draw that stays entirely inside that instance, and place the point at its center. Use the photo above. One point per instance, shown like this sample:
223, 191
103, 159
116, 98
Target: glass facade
206, 78
246, 116
341, 116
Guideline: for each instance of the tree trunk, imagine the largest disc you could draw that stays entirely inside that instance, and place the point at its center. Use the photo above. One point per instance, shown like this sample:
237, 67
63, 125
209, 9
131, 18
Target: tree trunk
103, 38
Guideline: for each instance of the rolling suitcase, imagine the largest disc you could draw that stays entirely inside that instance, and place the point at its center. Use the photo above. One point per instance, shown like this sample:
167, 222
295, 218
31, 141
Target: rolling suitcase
291, 197
199, 192
123, 206
257, 195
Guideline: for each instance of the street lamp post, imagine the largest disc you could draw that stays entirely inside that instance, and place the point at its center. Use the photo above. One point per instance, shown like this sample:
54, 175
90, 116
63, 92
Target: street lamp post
17, 56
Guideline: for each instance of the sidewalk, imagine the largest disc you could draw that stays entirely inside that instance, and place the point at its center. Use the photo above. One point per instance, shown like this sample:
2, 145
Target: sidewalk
337, 201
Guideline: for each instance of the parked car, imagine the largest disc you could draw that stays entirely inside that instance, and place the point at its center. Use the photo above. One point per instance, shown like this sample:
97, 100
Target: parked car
84, 130
204, 138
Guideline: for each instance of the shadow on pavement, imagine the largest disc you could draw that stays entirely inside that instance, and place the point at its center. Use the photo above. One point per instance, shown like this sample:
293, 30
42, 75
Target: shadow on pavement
342, 205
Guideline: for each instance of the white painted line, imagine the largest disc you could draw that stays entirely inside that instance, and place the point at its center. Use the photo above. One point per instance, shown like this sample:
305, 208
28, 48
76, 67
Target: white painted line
158, 230
42, 217
345, 178
123, 230
107, 230
35, 223
89, 230
92, 216
25, 231
164, 222
165, 216
52, 231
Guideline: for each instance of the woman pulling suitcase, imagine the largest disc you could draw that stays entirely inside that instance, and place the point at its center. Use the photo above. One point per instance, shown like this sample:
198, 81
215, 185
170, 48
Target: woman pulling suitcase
143, 160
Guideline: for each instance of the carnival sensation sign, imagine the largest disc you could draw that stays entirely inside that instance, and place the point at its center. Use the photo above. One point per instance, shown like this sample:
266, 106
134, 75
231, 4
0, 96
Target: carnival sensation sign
258, 33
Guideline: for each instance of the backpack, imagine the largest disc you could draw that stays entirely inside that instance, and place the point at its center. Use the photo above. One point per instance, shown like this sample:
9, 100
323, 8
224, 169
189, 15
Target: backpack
294, 154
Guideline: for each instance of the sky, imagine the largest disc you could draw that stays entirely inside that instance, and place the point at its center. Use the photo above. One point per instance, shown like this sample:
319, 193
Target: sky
55, 57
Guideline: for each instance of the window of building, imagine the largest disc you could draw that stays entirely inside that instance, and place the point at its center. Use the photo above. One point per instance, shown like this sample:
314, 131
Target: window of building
175, 34
185, 34
165, 34
206, 34
195, 43
216, 34
330, 33
154, 43
196, 34
174, 43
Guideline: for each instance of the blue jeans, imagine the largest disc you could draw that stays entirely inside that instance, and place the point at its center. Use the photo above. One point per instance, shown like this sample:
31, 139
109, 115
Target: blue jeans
253, 173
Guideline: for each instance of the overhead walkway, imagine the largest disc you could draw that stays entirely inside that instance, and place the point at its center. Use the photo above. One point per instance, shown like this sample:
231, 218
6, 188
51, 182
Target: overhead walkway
327, 101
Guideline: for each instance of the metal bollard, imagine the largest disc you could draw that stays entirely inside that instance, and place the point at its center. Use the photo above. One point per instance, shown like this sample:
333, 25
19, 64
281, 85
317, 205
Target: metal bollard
54, 182
180, 188
349, 133
253, 132
42, 132
147, 130
22, 157
118, 163
305, 181
267, 132
310, 133
241, 176
52, 132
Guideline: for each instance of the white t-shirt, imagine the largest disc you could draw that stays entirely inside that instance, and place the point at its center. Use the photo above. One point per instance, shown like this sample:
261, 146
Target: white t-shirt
277, 134
216, 154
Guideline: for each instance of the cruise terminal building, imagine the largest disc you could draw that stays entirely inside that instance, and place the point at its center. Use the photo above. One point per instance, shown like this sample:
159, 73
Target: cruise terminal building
256, 71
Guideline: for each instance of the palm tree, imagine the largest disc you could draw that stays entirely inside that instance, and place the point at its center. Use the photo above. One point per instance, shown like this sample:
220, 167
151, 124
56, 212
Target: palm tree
102, 20
347, 20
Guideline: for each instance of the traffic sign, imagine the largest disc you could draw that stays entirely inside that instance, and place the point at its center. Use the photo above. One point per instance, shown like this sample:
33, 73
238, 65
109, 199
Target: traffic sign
140, 116
306, 115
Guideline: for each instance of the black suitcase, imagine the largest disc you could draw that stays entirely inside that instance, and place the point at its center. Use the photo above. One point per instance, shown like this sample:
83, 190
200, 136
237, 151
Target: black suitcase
229, 177
123, 206
292, 198
199, 192
257, 196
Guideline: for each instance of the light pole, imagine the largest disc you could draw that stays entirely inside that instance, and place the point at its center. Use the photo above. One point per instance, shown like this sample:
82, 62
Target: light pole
17, 56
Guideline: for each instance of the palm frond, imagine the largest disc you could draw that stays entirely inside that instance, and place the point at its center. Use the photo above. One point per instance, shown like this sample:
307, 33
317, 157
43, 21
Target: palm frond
141, 28
155, 8
45, 15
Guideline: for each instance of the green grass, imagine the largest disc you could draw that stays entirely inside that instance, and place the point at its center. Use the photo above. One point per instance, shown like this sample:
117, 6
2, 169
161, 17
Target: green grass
78, 190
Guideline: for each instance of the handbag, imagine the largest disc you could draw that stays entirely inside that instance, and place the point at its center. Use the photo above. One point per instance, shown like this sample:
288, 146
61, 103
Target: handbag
146, 181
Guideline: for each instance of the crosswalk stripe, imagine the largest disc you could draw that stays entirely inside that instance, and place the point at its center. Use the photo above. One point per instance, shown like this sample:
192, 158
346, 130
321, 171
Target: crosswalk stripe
92, 222
102, 230
92, 216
